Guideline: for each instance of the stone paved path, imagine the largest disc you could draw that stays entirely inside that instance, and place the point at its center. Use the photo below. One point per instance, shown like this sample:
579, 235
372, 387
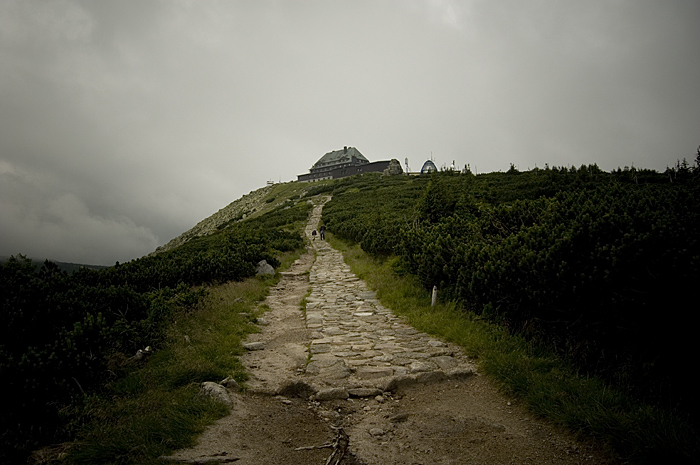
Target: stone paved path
352, 364
359, 345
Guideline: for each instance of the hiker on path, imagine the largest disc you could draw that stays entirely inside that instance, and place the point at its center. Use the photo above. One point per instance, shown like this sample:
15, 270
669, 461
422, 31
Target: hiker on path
323, 232
313, 233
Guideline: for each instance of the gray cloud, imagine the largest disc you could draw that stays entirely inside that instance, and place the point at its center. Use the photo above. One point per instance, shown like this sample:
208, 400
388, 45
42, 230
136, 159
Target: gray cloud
122, 124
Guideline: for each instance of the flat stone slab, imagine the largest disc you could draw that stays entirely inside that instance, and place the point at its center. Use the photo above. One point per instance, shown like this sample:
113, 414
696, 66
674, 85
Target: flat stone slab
332, 394
370, 372
364, 392
361, 314
444, 362
421, 366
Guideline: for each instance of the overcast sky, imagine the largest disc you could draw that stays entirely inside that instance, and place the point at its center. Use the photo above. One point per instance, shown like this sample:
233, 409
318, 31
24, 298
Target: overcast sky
124, 123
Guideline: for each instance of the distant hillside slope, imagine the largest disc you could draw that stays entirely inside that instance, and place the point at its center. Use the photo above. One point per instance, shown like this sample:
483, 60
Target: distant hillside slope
67, 267
250, 205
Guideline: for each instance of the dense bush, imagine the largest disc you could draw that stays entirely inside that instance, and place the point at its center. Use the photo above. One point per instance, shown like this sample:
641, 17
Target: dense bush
588, 273
596, 265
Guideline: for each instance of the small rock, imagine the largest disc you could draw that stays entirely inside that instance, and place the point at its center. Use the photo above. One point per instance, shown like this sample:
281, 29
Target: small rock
264, 268
364, 392
216, 391
262, 321
284, 400
140, 354
400, 381
398, 417
230, 383
377, 432
460, 374
332, 394
254, 346
380, 399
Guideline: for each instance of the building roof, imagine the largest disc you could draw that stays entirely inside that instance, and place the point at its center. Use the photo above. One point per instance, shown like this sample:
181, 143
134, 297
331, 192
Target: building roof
339, 156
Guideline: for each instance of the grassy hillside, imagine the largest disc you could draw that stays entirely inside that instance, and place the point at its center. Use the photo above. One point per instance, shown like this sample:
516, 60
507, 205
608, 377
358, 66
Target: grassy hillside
594, 268
68, 339
251, 205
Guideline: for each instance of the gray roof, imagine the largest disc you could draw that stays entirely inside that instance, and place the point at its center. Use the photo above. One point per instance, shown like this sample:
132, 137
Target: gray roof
339, 156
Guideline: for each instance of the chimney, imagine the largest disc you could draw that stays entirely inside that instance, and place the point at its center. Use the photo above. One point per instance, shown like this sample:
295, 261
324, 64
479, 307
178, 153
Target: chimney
345, 149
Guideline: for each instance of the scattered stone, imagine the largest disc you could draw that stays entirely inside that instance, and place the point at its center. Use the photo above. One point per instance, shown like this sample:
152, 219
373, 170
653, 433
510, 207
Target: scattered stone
264, 268
284, 400
216, 391
377, 432
332, 394
141, 354
460, 374
230, 383
398, 417
254, 346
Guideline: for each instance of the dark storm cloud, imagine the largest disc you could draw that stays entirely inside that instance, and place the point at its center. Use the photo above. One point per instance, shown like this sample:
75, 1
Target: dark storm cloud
122, 124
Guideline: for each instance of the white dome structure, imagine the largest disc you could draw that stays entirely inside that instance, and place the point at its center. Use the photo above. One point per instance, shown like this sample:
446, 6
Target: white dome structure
428, 167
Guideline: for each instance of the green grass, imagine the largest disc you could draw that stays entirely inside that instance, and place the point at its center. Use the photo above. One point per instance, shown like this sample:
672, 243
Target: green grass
155, 408
547, 385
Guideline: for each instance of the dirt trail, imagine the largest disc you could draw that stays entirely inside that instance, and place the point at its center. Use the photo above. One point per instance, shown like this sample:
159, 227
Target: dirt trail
401, 396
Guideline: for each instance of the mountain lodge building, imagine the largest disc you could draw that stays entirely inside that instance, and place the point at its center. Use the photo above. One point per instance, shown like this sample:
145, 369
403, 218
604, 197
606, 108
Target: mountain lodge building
342, 163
